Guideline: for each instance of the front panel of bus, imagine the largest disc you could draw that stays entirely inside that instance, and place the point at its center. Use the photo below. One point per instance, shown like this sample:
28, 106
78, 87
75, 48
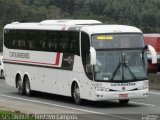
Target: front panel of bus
121, 68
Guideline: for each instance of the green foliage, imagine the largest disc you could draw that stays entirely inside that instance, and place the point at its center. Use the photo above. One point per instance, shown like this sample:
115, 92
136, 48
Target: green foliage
17, 115
27, 11
144, 14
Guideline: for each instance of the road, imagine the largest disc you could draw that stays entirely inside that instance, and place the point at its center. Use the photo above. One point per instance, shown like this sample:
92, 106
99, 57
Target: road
42, 103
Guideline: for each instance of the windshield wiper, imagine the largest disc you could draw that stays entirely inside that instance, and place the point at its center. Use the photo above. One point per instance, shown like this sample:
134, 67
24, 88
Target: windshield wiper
127, 66
116, 70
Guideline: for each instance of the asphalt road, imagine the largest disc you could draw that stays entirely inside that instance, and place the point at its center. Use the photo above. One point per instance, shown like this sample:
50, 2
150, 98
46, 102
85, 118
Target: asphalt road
53, 105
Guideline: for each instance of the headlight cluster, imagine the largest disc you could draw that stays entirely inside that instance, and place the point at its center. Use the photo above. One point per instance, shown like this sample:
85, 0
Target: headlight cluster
145, 86
102, 89
99, 87
142, 88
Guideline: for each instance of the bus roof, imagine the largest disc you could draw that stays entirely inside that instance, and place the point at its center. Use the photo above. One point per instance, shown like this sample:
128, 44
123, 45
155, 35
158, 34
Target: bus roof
97, 29
89, 26
69, 22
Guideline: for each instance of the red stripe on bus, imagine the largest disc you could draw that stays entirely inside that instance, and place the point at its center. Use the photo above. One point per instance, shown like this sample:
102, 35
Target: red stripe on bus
56, 62
57, 58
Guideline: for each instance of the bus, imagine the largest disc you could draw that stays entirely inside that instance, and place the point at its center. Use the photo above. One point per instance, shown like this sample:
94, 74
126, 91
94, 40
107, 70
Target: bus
83, 59
154, 40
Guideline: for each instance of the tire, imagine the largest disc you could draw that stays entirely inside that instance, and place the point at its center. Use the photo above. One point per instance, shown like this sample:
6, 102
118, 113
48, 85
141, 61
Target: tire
20, 86
2, 74
27, 88
123, 102
76, 94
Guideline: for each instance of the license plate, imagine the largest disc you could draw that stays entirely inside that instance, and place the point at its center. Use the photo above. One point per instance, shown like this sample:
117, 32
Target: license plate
123, 95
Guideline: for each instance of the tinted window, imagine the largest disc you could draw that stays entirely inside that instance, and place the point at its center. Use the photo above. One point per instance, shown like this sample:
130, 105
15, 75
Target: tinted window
74, 43
51, 41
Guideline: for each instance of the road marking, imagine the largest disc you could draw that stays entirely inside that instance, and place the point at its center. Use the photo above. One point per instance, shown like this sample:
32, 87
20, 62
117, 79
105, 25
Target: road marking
156, 93
55, 105
72, 108
143, 104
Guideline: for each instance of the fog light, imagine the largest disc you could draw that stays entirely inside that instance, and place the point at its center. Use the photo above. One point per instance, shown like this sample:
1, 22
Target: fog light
142, 87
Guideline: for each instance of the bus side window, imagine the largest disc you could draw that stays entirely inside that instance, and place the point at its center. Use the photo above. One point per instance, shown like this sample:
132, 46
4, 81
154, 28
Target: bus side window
14, 39
32, 39
42, 44
51, 41
72, 47
14, 43
74, 43
63, 42
52, 45
30, 45
41, 39
21, 44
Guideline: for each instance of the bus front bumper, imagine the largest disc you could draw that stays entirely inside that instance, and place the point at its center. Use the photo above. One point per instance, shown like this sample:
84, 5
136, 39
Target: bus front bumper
120, 95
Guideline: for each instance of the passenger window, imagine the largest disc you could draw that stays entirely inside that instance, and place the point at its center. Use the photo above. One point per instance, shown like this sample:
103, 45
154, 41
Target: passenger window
63, 42
52, 41
74, 43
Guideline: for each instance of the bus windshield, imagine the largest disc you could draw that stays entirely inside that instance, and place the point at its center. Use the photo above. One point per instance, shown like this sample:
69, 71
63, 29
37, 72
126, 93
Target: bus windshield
126, 63
120, 65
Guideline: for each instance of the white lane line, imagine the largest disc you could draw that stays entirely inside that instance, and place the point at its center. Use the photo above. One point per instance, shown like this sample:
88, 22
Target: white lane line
143, 103
72, 108
55, 105
156, 93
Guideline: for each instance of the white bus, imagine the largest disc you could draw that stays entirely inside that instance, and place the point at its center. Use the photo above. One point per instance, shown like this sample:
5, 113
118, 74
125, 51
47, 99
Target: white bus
83, 59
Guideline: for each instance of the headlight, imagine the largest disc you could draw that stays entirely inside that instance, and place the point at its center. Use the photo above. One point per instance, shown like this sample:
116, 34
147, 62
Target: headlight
102, 89
99, 87
142, 87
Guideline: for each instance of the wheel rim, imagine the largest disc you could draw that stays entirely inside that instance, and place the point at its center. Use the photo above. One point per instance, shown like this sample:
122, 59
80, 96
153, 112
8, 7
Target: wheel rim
2, 74
76, 94
19, 86
27, 87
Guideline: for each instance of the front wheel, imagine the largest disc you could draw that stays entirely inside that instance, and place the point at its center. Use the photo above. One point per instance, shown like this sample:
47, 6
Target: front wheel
2, 74
123, 102
76, 94
28, 90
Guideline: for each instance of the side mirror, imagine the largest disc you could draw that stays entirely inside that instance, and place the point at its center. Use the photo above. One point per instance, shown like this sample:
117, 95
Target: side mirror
92, 56
153, 53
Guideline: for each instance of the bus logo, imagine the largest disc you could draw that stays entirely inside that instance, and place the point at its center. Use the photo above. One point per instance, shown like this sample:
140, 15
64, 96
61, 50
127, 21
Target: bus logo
69, 60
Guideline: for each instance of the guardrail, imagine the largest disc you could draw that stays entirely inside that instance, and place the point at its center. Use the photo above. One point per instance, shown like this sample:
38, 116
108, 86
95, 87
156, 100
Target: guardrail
154, 81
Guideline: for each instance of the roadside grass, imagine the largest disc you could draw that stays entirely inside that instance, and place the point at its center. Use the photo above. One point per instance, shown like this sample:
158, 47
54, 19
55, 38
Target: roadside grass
17, 115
